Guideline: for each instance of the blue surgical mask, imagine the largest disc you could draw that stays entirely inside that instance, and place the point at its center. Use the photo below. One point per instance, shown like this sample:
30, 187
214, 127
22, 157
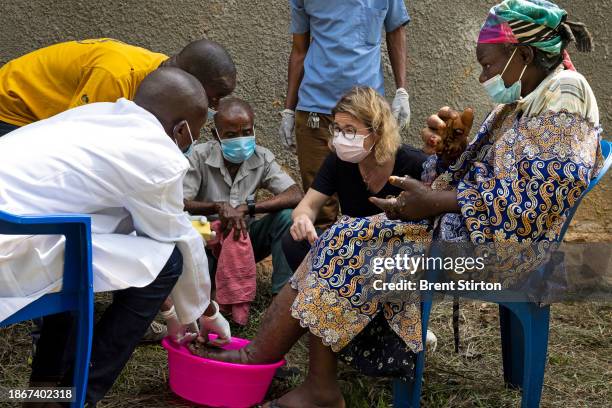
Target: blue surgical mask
188, 151
211, 114
496, 88
238, 149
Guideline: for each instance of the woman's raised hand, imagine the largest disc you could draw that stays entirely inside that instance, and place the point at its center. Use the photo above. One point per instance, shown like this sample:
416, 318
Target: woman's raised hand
446, 132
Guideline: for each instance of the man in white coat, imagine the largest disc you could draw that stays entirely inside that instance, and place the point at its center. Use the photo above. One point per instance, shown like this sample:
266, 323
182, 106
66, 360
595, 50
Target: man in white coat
122, 163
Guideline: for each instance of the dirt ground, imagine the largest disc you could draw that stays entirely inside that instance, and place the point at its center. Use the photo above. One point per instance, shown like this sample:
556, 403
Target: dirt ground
578, 374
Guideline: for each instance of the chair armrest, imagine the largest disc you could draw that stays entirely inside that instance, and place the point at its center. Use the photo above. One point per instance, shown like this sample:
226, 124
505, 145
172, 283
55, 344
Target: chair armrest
77, 230
53, 224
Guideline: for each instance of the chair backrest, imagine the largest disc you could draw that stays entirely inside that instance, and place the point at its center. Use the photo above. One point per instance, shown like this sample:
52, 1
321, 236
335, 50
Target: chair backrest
78, 276
76, 294
606, 152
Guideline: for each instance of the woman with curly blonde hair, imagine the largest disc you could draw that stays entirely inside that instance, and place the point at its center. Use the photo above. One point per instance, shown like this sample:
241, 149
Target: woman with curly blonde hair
366, 150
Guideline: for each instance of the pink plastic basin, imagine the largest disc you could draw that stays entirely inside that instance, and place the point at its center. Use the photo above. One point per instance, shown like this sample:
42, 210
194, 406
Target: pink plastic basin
215, 383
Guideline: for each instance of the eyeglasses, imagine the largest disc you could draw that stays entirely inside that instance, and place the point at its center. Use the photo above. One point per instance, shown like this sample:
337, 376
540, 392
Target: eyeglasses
348, 132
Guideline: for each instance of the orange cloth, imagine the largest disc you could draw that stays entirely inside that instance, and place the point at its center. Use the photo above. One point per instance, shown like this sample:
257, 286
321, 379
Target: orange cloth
236, 275
53, 79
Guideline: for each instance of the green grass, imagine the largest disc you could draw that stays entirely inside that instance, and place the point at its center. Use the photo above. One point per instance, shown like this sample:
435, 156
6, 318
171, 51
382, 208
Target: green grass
578, 374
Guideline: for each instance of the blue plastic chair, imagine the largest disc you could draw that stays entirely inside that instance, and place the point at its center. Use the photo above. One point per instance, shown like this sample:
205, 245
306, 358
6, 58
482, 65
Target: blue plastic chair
408, 394
76, 294
524, 335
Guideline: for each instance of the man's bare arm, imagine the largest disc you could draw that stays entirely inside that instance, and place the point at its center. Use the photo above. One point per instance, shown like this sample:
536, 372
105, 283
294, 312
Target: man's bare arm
289, 198
396, 47
201, 207
295, 71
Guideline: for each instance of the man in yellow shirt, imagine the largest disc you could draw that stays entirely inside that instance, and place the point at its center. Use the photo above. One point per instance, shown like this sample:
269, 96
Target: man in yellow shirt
53, 79
56, 78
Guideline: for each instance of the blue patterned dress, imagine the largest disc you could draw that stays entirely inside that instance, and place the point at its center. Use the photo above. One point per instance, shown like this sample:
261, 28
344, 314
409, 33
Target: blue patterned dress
516, 182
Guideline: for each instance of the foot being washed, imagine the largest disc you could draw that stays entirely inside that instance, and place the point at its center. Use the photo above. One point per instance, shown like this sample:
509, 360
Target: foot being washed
215, 353
274, 339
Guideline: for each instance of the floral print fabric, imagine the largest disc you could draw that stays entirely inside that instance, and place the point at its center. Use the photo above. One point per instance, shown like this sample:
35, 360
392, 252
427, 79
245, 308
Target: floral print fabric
516, 182
336, 298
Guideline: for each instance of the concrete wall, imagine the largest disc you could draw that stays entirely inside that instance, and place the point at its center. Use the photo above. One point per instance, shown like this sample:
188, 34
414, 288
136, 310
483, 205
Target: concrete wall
441, 43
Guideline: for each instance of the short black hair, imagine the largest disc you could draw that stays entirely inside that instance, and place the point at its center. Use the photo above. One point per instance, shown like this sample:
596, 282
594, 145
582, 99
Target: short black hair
210, 63
172, 94
228, 103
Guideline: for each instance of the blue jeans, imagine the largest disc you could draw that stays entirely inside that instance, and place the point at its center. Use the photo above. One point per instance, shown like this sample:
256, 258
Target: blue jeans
116, 334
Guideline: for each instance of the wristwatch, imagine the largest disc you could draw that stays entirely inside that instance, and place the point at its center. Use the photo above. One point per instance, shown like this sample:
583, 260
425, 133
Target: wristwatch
251, 205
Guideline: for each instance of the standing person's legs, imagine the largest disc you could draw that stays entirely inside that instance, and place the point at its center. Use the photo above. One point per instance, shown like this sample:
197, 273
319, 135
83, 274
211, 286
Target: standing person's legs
312, 149
266, 237
6, 128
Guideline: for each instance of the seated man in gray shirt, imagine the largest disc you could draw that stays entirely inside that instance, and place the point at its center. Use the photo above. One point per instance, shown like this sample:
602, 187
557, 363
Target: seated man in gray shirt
222, 181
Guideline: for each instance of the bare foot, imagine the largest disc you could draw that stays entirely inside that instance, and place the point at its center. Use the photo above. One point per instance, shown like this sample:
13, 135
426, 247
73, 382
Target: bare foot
249, 354
311, 395
219, 354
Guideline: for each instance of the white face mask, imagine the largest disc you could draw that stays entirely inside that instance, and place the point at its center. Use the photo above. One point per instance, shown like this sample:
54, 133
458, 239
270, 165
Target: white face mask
351, 151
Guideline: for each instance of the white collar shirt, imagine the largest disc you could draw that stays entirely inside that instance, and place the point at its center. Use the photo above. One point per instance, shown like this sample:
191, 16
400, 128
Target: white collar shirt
115, 162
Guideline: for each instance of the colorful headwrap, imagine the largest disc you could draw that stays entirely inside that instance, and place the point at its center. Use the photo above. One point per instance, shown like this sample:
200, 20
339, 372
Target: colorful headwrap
528, 22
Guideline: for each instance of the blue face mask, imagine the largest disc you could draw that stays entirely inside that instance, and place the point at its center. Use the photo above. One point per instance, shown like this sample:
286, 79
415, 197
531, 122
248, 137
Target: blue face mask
496, 88
238, 149
189, 150
211, 114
